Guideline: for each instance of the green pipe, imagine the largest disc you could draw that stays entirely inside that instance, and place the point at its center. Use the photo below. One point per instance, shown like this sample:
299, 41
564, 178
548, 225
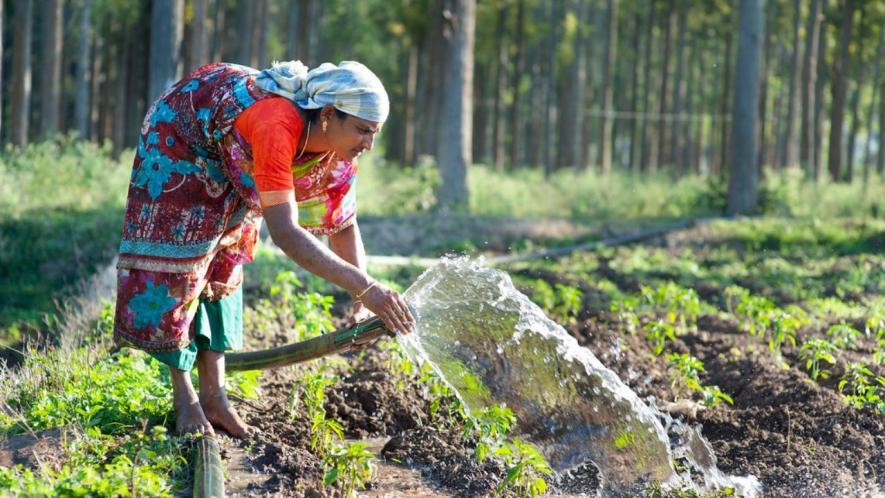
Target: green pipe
333, 342
208, 471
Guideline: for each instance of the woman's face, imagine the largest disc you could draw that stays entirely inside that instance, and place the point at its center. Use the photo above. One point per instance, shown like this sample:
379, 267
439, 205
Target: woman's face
351, 136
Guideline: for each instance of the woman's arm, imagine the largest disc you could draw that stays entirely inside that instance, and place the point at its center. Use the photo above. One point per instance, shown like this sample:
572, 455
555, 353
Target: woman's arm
348, 244
313, 256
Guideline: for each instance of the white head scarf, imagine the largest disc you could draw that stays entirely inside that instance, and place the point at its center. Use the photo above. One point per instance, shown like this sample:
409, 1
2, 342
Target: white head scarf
350, 86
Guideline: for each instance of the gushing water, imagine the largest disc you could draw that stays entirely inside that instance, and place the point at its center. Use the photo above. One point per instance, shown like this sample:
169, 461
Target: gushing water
493, 346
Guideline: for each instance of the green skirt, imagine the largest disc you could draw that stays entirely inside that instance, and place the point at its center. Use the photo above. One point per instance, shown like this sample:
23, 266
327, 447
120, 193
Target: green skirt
218, 326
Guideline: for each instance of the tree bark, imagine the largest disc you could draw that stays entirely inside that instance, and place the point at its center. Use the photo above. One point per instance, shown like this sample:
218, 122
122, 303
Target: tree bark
611, 51
789, 156
409, 112
218, 27
855, 123
871, 108
259, 31
455, 126
244, 35
50, 81
20, 96
763, 88
516, 80
647, 160
2, 19
725, 146
817, 124
97, 77
808, 82
678, 125
200, 35
743, 178
81, 99
839, 89
167, 31
500, 88
550, 116
663, 89
634, 92
880, 159
571, 123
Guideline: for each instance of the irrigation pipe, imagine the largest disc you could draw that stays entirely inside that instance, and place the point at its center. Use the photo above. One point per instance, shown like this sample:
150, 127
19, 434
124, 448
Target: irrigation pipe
550, 253
208, 471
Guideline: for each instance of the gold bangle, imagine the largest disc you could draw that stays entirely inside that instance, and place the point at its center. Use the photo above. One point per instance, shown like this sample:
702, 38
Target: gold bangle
363, 293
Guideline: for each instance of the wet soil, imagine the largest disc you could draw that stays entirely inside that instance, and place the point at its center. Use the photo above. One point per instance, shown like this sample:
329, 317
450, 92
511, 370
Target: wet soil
797, 435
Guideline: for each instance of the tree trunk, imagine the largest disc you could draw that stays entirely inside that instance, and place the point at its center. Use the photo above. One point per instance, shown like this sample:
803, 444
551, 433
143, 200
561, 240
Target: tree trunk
611, 51
244, 35
259, 51
678, 124
724, 111
817, 124
167, 31
409, 113
647, 160
743, 177
199, 35
20, 96
855, 123
839, 88
455, 126
50, 80
870, 109
515, 81
571, 122
436, 72
808, 82
663, 89
634, 92
292, 29
481, 116
81, 100
763, 88
2, 19
500, 88
789, 156
120, 82
880, 159
550, 86
97, 77
218, 31
685, 130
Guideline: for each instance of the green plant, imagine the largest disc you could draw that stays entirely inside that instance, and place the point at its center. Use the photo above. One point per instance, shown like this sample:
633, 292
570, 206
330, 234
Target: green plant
816, 351
491, 426
688, 369
783, 330
525, 470
658, 333
756, 313
349, 466
864, 387
843, 335
323, 431
681, 305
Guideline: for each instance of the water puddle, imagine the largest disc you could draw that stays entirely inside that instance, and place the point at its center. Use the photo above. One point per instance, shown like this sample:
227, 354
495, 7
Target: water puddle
493, 346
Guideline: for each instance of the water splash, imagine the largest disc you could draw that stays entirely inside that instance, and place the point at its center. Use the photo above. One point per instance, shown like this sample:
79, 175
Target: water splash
493, 346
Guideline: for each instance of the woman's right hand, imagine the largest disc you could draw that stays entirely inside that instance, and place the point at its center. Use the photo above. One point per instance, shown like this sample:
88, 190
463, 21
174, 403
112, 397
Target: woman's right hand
390, 307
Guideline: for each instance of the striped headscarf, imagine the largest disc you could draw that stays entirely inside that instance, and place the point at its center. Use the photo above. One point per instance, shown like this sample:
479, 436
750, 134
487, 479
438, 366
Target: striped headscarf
350, 86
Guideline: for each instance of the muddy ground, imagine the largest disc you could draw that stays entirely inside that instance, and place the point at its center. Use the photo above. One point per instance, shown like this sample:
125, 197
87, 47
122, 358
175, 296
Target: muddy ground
796, 435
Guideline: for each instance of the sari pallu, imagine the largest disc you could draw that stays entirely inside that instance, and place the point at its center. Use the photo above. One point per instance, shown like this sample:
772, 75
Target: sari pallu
192, 213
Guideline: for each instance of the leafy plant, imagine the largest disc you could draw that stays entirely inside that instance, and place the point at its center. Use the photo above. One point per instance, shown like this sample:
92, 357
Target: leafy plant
525, 470
688, 369
349, 466
682, 305
323, 431
815, 352
865, 389
843, 335
658, 333
491, 427
783, 330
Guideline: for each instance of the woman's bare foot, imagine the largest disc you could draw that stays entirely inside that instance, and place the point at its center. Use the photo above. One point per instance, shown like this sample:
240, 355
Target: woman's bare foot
222, 416
189, 416
190, 419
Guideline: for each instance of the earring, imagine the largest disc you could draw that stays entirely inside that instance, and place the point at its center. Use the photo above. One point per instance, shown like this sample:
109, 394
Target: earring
325, 125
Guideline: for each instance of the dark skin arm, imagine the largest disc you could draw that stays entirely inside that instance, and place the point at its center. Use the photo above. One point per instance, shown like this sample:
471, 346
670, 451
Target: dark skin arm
313, 256
348, 244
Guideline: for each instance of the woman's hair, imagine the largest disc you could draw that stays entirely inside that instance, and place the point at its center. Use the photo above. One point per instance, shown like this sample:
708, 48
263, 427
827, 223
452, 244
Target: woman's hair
313, 115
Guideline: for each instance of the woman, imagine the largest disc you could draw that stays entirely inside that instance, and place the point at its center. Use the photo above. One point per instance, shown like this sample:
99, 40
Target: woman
219, 150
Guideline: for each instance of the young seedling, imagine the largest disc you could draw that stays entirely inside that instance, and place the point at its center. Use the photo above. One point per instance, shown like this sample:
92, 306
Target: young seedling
815, 352
864, 387
843, 335
491, 427
525, 470
688, 376
349, 466
658, 333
